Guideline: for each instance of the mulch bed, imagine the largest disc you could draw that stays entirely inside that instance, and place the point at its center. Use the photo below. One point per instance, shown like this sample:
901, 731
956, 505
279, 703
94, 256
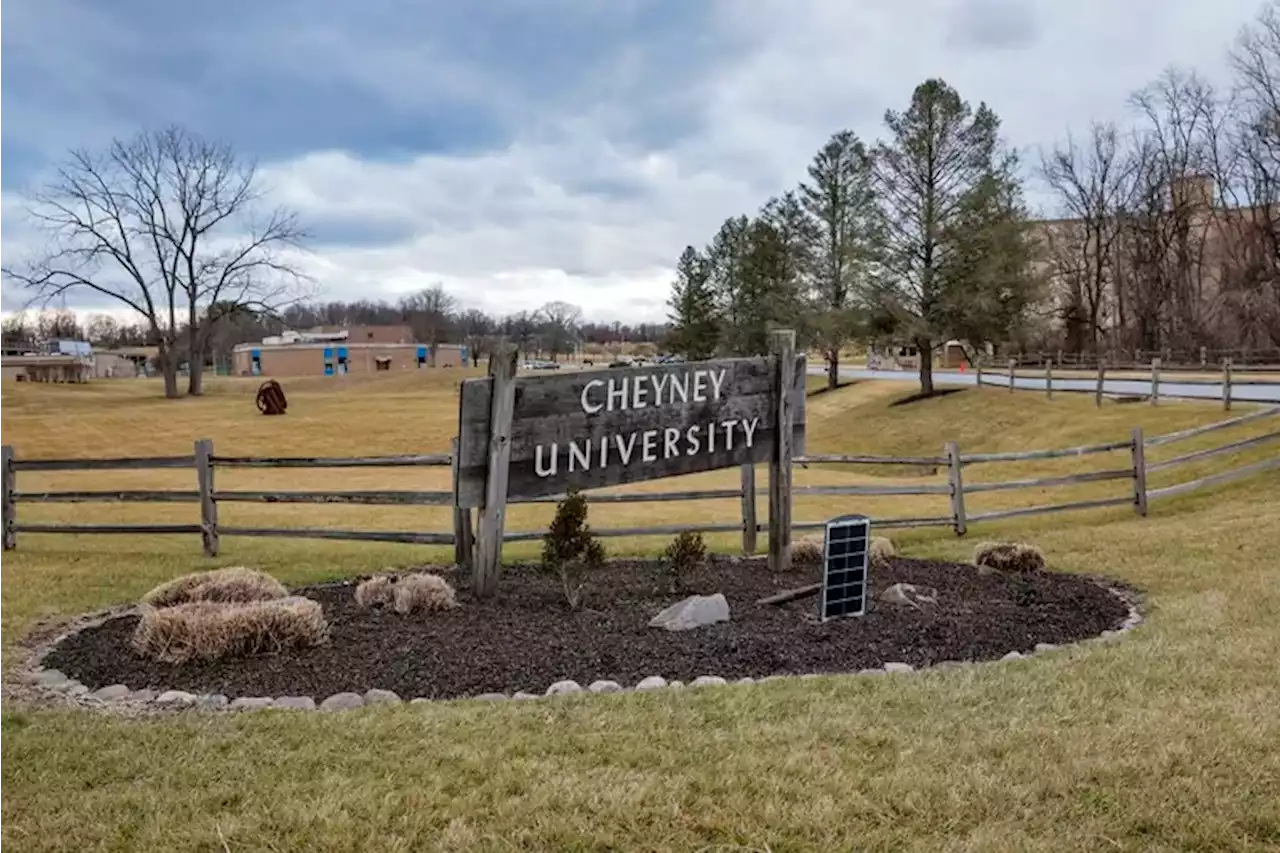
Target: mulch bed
526, 638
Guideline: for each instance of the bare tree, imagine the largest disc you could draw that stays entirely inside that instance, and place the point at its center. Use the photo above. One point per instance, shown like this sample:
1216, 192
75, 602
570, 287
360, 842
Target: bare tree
559, 323
1093, 184
429, 313
167, 224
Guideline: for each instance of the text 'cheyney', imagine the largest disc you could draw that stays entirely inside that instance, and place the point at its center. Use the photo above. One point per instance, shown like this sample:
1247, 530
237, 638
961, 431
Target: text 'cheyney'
644, 391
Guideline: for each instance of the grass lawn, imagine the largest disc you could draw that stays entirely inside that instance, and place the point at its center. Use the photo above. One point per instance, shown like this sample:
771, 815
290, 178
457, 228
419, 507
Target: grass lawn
1168, 739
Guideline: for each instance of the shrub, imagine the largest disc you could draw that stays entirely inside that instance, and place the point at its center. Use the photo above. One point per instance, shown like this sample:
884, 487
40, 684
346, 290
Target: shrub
206, 630
569, 549
1008, 557
235, 584
685, 555
881, 549
377, 590
423, 591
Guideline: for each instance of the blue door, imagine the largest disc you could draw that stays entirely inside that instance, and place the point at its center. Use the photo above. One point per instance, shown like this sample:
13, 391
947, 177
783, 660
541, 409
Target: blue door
255, 358
328, 361
422, 356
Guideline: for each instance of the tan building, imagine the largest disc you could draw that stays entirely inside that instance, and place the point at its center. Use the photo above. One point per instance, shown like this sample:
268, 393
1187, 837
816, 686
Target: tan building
1192, 272
124, 363
371, 334
47, 368
339, 358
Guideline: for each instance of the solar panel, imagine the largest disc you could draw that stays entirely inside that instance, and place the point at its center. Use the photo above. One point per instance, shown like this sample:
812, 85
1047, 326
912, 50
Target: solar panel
844, 566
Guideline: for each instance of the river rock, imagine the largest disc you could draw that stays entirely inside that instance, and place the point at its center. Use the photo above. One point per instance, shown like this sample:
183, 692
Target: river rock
708, 681
603, 686
653, 682
342, 702
562, 687
251, 703
909, 595
295, 703
693, 612
111, 691
897, 667
381, 697
176, 697
51, 678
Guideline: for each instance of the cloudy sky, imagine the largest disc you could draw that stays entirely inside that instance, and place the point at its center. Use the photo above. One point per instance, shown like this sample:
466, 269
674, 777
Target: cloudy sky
520, 151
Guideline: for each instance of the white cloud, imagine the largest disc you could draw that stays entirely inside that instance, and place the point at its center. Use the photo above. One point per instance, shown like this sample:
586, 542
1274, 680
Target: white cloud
571, 210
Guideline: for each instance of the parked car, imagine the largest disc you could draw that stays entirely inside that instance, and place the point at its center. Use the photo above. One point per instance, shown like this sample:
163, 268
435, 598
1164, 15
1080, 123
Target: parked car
541, 364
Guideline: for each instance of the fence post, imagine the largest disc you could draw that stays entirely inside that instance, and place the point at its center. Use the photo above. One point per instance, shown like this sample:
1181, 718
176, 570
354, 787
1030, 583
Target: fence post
977, 367
208, 507
462, 537
493, 515
749, 509
1102, 376
1204, 357
956, 480
1226, 384
782, 344
1139, 473
7, 488
1012, 364
1155, 381
1048, 379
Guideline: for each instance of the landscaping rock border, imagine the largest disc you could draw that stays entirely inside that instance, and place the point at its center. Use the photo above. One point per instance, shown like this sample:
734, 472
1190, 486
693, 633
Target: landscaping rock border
29, 682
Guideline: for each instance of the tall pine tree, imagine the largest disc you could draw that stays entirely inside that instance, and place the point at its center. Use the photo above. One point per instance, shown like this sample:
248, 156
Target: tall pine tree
840, 202
695, 328
936, 179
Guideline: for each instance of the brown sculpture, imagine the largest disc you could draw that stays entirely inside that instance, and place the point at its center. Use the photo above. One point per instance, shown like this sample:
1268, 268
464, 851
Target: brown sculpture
271, 399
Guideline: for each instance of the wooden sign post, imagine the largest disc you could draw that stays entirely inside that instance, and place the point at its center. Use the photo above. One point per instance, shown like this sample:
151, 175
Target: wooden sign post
783, 346
529, 437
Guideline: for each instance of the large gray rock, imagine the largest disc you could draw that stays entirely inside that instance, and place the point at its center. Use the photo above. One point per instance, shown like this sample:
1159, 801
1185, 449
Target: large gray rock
112, 691
693, 612
708, 681
51, 678
381, 697
342, 702
175, 697
251, 703
562, 687
605, 686
909, 595
295, 703
212, 701
653, 682
898, 667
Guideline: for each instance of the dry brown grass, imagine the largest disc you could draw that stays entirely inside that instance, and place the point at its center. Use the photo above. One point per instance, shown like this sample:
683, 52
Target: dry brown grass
379, 590
233, 584
206, 630
882, 549
407, 593
423, 592
1008, 557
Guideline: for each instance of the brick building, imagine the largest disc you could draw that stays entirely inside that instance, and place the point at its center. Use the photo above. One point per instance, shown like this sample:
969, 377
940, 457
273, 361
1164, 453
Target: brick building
359, 349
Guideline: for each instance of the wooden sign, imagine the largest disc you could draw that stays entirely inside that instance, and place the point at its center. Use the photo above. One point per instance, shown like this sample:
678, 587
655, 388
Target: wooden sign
589, 429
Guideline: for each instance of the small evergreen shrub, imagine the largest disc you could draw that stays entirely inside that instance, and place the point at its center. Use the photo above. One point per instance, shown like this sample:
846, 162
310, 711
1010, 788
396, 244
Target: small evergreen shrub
569, 549
685, 555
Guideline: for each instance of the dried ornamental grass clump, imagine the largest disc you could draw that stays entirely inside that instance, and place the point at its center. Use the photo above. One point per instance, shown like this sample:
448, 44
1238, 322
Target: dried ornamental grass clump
413, 593
204, 630
1008, 557
235, 584
377, 591
423, 592
881, 550
807, 550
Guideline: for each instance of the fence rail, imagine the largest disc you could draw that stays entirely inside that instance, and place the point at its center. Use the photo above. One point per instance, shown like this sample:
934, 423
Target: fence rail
205, 463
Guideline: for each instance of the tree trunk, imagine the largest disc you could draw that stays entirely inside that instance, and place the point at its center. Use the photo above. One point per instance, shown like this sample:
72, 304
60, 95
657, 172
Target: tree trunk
169, 369
833, 369
925, 348
195, 376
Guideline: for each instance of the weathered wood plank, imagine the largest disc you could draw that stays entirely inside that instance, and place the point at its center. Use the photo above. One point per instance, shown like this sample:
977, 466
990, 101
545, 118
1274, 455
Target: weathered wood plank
371, 498
411, 537
1047, 508
109, 496
750, 527
782, 346
462, 537
1097, 391
636, 497
7, 490
1139, 473
107, 528
208, 507
934, 521
576, 430
1170, 437
1216, 479
791, 594
1047, 482
847, 459
1082, 450
136, 462
654, 530
1155, 381
497, 466
866, 490
955, 484
1214, 451
425, 459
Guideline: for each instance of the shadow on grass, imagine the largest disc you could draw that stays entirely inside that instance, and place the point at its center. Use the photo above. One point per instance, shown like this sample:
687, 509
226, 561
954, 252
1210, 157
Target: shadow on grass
916, 398
826, 389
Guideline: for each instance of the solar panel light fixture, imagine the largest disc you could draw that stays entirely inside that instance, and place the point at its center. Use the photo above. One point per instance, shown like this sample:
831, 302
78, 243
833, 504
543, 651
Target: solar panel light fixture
846, 546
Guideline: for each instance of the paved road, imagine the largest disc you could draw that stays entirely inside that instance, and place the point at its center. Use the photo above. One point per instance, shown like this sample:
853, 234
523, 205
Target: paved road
1126, 387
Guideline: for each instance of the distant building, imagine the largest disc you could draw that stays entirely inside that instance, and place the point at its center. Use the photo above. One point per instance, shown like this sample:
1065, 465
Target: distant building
48, 361
338, 352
